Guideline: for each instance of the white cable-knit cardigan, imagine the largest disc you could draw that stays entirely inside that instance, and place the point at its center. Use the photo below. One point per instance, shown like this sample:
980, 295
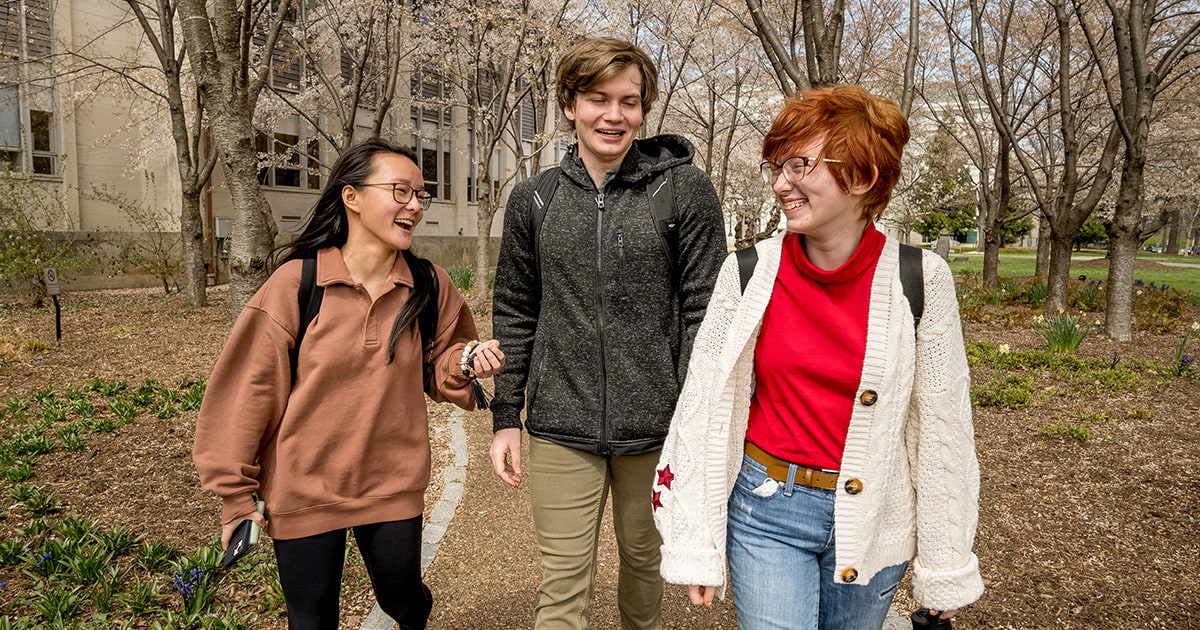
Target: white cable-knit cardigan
912, 450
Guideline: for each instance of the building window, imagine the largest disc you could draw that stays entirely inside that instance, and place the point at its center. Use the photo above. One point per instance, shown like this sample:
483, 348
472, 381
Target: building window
288, 161
433, 131
28, 129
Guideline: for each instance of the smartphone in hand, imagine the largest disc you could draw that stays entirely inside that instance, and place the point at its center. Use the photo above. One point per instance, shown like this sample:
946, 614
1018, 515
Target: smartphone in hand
245, 537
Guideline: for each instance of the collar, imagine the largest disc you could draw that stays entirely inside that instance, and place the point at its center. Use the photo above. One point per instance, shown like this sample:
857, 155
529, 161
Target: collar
331, 269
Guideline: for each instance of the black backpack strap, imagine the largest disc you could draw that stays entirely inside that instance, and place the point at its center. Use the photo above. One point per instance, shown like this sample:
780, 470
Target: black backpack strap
662, 209
427, 321
912, 278
544, 185
746, 259
309, 299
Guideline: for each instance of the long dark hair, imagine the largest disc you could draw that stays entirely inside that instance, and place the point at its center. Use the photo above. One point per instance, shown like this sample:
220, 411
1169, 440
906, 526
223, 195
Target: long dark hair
327, 226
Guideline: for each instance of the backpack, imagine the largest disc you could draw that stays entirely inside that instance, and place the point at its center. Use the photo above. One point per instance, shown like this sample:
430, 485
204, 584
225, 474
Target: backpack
662, 208
309, 298
912, 276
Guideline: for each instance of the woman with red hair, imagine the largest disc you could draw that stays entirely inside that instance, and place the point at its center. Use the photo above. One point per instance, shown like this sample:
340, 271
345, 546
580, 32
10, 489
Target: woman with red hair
819, 445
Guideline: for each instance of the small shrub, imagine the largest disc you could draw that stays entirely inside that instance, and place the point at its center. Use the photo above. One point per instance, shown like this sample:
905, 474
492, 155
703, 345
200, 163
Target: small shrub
118, 540
124, 411
1008, 392
141, 598
1064, 333
72, 438
164, 410
461, 277
1036, 292
1183, 365
83, 408
41, 503
78, 529
1072, 431
192, 397
12, 552
19, 471
154, 556
1091, 296
60, 604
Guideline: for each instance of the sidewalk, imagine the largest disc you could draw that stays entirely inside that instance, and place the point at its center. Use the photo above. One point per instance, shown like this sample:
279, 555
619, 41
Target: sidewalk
482, 561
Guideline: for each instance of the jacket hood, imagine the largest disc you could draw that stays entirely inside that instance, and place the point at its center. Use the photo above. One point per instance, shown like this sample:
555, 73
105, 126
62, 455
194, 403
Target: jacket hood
646, 158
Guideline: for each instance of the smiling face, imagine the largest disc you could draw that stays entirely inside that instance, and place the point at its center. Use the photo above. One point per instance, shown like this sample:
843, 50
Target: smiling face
374, 218
816, 206
606, 119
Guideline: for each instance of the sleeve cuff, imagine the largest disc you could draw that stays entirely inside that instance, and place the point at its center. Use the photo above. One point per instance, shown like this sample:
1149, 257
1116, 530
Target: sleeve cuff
947, 590
505, 418
237, 506
681, 565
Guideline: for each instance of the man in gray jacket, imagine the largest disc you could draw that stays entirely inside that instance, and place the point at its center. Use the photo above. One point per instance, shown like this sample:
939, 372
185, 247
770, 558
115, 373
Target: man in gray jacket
597, 322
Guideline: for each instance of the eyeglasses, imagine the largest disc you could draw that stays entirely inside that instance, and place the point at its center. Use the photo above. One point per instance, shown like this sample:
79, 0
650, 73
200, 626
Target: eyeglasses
794, 169
403, 193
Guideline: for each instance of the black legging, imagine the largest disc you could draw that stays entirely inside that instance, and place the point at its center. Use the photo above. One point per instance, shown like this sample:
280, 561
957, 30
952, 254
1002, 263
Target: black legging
310, 571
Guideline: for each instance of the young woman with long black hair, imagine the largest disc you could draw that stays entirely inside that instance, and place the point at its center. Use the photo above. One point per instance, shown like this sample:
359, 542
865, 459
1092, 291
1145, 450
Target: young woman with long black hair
343, 442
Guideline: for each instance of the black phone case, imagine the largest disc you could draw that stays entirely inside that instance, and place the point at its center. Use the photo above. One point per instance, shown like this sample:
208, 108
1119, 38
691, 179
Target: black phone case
239, 544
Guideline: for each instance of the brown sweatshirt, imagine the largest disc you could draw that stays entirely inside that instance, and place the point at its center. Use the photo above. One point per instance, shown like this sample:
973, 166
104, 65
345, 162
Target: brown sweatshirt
348, 443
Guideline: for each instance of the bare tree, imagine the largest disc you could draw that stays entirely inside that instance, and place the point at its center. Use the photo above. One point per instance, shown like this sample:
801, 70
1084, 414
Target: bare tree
187, 124
497, 57
1152, 39
1003, 43
230, 73
354, 53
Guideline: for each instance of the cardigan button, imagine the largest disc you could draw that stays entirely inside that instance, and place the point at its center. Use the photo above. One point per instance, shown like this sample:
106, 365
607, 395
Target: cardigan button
849, 575
853, 486
868, 397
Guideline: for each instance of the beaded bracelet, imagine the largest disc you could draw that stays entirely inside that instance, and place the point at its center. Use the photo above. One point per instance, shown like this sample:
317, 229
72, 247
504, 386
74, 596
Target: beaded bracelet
465, 364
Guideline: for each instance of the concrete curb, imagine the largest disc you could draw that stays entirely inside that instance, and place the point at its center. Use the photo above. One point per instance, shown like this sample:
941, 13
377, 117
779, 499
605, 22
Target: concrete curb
455, 477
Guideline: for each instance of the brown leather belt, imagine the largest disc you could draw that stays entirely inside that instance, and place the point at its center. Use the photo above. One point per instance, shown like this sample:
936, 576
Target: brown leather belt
777, 469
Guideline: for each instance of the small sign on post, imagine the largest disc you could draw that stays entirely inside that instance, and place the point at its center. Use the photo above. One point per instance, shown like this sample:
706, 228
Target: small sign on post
50, 277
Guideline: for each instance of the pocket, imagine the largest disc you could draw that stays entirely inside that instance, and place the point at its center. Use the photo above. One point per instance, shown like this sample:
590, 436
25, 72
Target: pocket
535, 378
753, 482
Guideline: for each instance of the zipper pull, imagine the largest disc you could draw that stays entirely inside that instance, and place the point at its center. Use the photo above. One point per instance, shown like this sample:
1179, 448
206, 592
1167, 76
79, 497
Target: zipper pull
600, 200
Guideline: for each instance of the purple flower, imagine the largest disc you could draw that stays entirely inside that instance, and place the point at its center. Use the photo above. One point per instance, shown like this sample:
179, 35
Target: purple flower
1186, 361
45, 557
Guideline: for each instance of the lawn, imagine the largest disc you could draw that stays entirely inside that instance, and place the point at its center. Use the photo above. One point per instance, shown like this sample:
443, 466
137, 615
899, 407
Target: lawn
1022, 263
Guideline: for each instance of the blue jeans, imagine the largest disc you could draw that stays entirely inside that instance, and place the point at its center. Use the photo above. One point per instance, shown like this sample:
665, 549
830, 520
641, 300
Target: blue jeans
781, 560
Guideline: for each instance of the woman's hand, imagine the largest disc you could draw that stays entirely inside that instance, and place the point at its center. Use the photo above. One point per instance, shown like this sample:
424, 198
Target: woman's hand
487, 359
701, 594
945, 614
227, 529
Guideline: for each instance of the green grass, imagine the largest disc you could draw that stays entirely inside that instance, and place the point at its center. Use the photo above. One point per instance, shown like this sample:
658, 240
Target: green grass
1022, 263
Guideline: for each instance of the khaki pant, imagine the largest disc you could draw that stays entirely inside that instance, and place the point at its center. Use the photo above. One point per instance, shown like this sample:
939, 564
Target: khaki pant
568, 489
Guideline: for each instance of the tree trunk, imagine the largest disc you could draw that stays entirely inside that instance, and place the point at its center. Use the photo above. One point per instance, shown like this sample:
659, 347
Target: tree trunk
191, 229
1174, 220
484, 218
1058, 283
1124, 239
1042, 267
253, 227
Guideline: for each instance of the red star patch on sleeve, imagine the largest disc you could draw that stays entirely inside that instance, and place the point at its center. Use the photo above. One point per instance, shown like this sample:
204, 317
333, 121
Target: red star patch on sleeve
665, 476
657, 500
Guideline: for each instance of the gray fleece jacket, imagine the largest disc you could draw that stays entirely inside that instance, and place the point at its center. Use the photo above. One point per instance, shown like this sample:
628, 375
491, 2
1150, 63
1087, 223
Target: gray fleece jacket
597, 342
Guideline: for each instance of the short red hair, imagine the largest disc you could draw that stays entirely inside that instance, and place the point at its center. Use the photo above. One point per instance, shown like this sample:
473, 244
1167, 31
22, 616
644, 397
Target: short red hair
866, 133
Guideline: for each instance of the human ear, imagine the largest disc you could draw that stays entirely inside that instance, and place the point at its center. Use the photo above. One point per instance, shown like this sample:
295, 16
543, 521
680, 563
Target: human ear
350, 198
862, 188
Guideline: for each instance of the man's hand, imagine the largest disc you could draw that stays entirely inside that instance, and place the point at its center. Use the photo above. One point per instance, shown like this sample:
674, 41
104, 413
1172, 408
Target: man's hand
506, 455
